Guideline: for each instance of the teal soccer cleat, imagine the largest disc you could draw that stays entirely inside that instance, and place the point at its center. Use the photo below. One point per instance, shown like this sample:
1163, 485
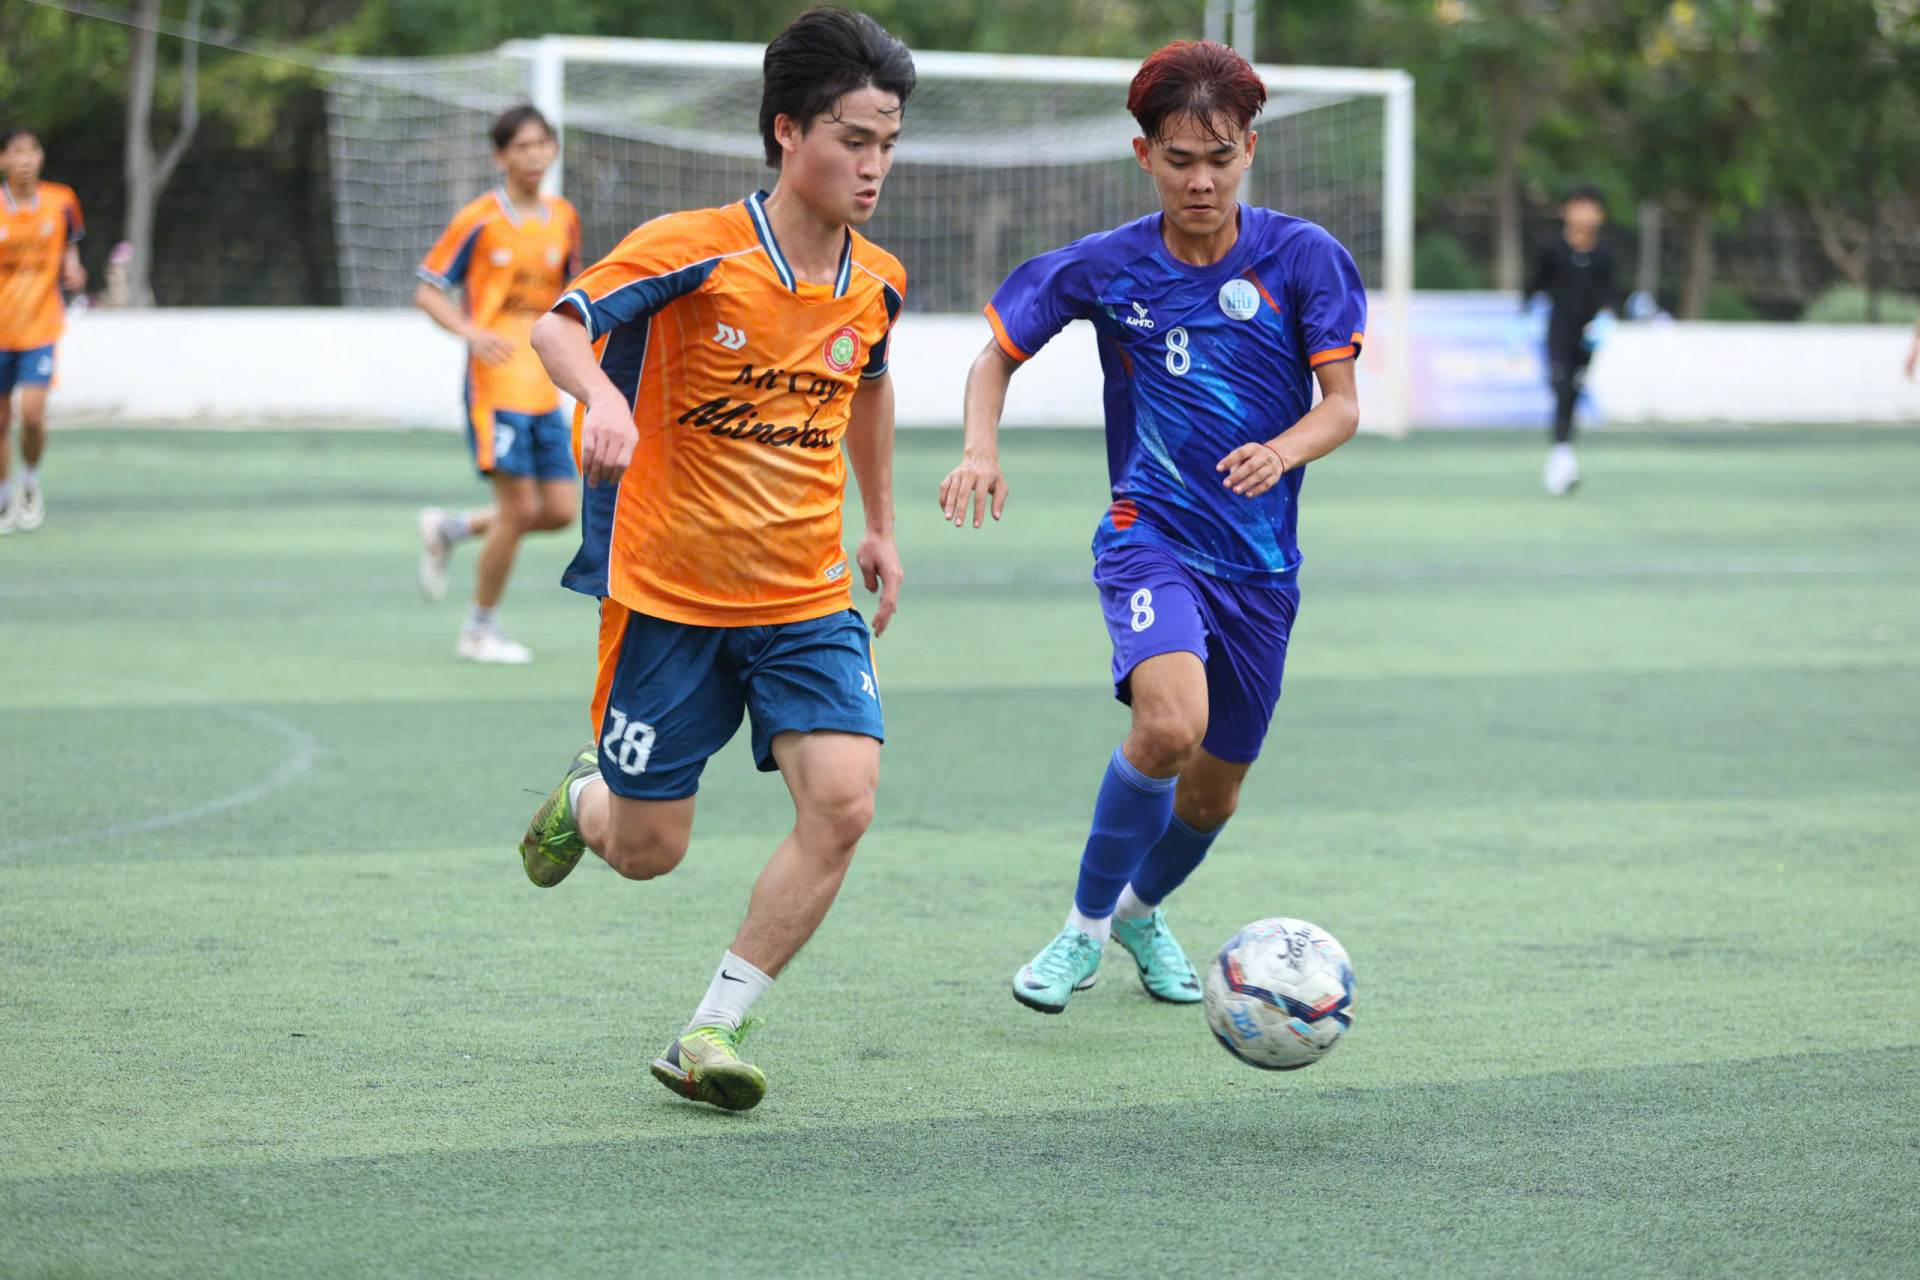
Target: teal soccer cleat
1164, 970
1070, 963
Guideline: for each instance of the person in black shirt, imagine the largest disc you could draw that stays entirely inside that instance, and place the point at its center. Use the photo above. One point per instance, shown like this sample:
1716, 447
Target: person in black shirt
1576, 273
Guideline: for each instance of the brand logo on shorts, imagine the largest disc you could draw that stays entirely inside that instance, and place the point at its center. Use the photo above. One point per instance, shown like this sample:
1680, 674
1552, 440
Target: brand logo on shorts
1239, 299
501, 257
842, 349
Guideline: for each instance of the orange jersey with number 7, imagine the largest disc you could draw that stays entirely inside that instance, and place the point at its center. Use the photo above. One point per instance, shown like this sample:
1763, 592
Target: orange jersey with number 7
742, 380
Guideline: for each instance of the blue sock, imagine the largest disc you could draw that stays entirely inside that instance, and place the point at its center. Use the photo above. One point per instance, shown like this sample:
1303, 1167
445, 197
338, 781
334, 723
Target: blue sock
1129, 816
1171, 861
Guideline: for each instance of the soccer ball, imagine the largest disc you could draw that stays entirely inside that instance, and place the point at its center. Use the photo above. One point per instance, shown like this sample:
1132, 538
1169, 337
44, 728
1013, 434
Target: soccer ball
1280, 994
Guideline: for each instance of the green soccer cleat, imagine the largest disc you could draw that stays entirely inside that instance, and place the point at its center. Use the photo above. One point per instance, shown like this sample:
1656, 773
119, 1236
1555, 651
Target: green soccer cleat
552, 846
1164, 970
1070, 963
701, 1064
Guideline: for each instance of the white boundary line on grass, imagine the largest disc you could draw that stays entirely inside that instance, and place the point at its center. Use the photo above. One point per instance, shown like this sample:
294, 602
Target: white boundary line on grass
303, 747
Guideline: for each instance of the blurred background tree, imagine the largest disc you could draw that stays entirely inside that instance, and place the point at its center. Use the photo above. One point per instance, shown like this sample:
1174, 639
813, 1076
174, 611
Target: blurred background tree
1780, 137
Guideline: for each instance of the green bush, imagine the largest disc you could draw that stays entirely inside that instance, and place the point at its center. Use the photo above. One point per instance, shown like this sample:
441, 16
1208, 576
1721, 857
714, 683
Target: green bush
1847, 304
1440, 263
1724, 302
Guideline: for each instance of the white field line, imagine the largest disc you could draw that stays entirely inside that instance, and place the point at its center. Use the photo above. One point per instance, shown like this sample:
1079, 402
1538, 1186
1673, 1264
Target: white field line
301, 748
1385, 571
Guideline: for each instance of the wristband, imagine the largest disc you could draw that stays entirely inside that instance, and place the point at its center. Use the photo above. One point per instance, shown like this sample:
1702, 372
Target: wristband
1276, 455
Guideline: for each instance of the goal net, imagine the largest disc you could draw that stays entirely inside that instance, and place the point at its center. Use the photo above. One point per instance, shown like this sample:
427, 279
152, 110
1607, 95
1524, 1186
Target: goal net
1003, 157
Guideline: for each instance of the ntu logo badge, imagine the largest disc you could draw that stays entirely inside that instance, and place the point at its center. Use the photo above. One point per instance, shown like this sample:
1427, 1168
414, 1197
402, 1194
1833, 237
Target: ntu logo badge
1240, 298
842, 350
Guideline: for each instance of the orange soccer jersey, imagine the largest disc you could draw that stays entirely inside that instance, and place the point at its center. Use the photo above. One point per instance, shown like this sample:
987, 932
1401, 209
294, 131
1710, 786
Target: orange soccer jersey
742, 381
33, 239
511, 271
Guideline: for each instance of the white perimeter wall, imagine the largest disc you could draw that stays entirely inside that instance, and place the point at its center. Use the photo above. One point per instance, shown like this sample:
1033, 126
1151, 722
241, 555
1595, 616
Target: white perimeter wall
395, 367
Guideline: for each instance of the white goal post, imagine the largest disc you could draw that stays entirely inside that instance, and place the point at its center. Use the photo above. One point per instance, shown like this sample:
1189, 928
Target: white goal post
1004, 156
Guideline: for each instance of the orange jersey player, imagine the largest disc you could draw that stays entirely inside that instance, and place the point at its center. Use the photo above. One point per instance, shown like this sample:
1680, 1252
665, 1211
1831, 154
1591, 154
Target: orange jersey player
509, 254
723, 359
39, 230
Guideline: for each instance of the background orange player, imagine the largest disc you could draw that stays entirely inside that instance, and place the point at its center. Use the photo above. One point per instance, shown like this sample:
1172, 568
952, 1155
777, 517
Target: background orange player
722, 358
40, 229
510, 253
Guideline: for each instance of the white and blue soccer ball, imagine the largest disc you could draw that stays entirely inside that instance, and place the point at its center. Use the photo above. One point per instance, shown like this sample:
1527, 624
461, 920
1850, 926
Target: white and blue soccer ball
1280, 994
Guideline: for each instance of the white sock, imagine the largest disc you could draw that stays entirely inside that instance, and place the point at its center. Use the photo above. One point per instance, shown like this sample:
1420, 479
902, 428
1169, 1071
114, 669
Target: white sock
1130, 907
1099, 930
455, 526
29, 477
6, 491
479, 619
736, 985
576, 787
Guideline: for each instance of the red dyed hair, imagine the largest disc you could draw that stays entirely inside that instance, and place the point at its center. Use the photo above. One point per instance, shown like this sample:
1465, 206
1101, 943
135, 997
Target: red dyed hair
1196, 78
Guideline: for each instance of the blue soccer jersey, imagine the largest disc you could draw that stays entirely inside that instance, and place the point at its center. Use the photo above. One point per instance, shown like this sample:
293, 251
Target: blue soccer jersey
1198, 361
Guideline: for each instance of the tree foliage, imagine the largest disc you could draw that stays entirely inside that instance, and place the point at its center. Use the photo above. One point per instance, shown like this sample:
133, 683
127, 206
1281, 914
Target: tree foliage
1706, 108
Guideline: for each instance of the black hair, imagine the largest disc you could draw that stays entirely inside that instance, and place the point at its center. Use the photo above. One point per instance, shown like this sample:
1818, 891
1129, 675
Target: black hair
8, 134
511, 121
1584, 191
824, 54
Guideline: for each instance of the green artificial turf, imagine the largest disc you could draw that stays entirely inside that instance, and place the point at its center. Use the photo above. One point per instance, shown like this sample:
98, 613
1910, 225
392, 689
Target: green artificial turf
1615, 802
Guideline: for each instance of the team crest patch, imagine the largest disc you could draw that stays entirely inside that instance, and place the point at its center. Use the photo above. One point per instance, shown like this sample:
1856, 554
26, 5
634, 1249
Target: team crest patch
1239, 299
553, 255
842, 350
501, 257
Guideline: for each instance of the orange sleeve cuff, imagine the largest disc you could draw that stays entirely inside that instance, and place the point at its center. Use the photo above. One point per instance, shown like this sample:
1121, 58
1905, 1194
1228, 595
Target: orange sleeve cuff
1348, 352
1000, 336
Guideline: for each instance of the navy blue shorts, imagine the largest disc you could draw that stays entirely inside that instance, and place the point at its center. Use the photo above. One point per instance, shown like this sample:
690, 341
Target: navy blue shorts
522, 444
670, 695
1155, 604
30, 368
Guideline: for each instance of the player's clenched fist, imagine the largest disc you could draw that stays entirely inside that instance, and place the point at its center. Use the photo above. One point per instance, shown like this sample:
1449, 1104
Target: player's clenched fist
607, 438
976, 480
1252, 469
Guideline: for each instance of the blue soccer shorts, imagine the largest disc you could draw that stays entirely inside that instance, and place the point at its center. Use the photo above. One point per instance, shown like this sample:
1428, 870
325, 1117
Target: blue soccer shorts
539, 445
670, 694
30, 368
1155, 603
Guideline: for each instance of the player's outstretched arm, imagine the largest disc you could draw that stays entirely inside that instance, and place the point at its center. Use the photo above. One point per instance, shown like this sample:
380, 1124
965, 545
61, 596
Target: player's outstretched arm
487, 348
870, 450
73, 276
607, 433
978, 477
1252, 469
1913, 351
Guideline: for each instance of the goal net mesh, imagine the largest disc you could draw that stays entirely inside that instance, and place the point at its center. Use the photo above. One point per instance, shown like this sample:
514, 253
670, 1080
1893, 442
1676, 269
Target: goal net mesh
987, 174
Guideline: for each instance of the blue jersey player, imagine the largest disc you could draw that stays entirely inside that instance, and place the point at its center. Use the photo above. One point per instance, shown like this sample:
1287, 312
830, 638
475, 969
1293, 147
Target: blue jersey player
1213, 318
